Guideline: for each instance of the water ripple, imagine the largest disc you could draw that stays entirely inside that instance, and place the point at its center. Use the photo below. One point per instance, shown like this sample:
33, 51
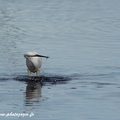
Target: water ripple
44, 79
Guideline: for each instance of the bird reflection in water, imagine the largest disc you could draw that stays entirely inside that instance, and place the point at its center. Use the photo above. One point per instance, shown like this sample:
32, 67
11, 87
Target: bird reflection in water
32, 94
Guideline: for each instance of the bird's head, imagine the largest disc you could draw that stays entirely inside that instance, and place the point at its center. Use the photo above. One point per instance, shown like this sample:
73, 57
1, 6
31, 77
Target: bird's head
34, 54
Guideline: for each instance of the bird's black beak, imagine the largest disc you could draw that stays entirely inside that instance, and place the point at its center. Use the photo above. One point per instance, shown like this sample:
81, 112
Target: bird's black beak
40, 56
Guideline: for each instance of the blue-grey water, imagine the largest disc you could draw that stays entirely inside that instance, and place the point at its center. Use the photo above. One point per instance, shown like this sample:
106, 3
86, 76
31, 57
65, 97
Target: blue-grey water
81, 79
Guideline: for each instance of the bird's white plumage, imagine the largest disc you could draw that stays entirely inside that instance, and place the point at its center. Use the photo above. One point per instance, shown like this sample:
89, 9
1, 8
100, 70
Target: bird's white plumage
33, 62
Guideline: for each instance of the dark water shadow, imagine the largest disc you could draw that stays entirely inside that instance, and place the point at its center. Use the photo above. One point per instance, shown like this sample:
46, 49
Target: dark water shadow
51, 79
44, 80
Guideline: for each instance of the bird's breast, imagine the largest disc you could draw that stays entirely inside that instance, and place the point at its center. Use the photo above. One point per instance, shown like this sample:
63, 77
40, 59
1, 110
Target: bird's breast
34, 63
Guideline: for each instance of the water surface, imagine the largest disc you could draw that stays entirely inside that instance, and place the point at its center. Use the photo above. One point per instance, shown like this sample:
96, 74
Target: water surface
81, 78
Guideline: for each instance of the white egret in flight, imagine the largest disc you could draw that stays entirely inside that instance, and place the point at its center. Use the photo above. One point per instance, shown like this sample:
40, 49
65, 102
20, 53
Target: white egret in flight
34, 62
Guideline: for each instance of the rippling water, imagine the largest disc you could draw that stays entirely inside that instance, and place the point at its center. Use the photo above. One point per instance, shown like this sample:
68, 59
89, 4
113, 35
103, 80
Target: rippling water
81, 80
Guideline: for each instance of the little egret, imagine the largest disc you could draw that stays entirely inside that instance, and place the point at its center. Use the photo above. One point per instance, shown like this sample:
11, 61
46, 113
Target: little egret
33, 62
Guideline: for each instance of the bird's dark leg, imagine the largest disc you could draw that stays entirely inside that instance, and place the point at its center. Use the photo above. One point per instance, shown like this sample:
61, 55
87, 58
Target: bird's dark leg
37, 73
29, 73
